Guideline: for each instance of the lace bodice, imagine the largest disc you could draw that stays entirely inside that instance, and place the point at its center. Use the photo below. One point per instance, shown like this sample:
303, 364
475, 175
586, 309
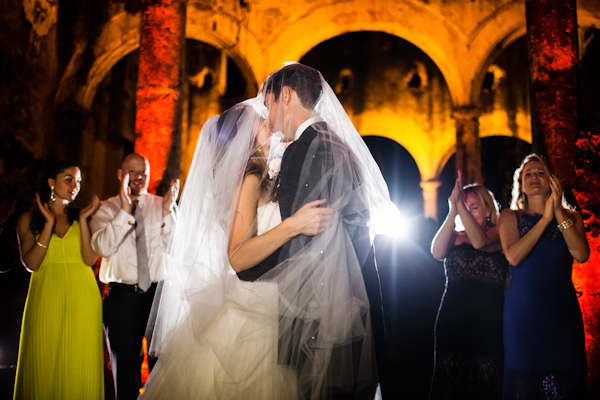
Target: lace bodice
469, 264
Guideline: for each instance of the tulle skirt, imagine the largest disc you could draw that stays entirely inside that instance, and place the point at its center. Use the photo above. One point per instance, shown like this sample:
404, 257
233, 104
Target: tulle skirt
233, 355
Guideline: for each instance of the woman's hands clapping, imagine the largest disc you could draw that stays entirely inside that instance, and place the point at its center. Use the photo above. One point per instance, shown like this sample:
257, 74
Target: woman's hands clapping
456, 197
554, 200
45, 210
556, 188
90, 209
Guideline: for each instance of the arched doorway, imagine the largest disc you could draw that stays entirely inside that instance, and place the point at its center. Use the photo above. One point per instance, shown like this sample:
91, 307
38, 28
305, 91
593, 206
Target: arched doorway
400, 173
213, 82
390, 88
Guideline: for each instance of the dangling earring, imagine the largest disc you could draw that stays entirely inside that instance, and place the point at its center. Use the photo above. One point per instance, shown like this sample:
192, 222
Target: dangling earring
52, 193
489, 219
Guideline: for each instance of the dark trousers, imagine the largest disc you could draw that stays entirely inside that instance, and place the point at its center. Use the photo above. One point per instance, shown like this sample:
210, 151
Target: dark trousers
126, 314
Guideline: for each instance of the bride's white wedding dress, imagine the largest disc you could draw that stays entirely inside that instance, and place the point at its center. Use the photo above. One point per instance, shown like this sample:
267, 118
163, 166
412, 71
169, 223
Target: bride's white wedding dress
234, 355
218, 337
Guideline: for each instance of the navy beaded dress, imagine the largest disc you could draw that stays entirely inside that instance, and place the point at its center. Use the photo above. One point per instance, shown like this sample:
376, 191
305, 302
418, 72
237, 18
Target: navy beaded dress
543, 330
469, 347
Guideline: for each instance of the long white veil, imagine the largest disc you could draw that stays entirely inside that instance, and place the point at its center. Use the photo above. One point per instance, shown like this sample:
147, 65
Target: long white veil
323, 333
196, 261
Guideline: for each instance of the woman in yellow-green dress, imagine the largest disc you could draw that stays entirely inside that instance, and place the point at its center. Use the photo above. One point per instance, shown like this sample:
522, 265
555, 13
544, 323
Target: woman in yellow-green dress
60, 354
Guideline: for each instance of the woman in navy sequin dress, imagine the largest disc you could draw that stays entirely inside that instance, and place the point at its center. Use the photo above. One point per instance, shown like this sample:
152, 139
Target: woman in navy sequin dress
544, 346
469, 348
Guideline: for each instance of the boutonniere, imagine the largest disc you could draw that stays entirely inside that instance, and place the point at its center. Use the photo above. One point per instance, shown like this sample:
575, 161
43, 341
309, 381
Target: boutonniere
275, 154
274, 167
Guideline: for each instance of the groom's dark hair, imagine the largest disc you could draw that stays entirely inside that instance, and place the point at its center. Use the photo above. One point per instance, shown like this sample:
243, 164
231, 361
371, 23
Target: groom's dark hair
304, 80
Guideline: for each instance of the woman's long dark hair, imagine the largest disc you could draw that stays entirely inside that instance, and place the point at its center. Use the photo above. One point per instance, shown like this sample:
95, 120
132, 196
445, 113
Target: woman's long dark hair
37, 219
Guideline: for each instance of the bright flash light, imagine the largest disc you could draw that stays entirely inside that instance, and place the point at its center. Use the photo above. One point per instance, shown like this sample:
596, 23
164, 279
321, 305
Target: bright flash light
389, 222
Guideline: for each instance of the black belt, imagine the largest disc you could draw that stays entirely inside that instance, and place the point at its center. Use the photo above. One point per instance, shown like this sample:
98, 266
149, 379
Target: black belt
125, 288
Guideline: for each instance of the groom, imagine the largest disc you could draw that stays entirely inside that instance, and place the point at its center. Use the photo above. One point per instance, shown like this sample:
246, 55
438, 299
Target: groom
291, 97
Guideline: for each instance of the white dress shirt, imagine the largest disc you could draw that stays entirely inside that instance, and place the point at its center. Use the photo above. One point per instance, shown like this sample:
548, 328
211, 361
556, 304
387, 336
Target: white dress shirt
305, 125
113, 238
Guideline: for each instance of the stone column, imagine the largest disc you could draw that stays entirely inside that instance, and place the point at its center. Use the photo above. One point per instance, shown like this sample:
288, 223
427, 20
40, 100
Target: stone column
159, 87
430, 191
554, 74
468, 144
554, 71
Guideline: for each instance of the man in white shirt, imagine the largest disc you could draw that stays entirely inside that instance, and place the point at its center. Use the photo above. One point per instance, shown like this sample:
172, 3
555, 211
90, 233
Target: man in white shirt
130, 232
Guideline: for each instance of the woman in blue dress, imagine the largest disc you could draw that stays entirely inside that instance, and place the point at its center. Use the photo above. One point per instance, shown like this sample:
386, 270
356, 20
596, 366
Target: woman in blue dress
544, 346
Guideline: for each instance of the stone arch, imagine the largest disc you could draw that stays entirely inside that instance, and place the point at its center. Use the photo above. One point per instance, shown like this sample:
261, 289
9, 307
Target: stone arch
290, 37
586, 18
494, 51
495, 33
426, 155
298, 37
491, 36
421, 133
120, 36
232, 37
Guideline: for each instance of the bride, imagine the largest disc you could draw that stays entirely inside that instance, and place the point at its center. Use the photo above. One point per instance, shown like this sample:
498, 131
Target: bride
301, 330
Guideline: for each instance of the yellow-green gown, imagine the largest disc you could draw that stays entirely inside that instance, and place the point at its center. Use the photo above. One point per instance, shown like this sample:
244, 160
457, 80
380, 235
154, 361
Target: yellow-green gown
61, 353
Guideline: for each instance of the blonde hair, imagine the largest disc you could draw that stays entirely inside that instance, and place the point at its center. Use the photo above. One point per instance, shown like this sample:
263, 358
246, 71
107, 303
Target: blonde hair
487, 198
519, 198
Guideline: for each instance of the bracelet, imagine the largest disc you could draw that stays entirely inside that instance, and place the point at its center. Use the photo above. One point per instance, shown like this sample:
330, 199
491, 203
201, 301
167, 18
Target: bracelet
41, 245
566, 224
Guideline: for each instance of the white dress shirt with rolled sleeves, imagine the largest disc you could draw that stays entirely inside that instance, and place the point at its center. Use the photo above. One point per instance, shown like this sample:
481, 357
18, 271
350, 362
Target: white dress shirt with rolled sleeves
113, 239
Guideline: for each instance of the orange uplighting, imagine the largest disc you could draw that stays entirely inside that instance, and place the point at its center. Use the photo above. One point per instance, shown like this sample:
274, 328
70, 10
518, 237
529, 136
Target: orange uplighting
586, 276
158, 106
586, 279
145, 369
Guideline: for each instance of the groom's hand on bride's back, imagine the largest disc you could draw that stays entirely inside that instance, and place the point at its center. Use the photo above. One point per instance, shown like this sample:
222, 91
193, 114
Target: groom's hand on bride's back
311, 219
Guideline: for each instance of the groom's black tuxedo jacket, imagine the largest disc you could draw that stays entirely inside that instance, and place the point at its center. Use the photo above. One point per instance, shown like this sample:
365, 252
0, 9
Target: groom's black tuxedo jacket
304, 165
306, 170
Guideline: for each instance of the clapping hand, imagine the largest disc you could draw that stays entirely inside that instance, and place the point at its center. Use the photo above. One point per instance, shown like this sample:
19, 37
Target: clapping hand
456, 195
45, 210
125, 195
556, 191
90, 209
170, 198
